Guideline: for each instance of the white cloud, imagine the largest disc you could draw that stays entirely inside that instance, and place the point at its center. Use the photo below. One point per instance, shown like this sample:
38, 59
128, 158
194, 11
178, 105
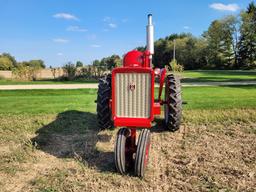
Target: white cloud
186, 27
223, 7
60, 40
110, 22
66, 16
95, 46
107, 19
112, 25
60, 54
76, 29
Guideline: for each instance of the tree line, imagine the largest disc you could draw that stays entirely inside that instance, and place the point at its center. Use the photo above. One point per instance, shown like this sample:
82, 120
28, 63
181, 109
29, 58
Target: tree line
22, 70
8, 62
93, 71
228, 43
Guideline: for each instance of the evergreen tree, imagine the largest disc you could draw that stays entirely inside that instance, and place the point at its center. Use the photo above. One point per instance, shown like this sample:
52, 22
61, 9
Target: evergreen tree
247, 44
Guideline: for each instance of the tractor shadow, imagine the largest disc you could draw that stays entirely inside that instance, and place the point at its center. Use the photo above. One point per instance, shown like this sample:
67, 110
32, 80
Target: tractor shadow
74, 134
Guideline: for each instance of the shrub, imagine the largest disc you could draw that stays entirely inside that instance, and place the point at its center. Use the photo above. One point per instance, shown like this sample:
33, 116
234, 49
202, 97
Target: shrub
24, 71
5, 63
175, 67
69, 71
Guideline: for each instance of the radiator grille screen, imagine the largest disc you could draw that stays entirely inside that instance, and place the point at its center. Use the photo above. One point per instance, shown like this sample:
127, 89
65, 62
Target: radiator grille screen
133, 95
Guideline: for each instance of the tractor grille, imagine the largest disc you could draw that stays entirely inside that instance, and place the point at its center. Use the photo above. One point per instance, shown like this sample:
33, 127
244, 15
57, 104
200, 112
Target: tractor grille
133, 95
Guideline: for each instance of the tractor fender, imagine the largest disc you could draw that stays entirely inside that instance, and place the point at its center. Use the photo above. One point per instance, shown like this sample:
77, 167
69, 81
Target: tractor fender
162, 78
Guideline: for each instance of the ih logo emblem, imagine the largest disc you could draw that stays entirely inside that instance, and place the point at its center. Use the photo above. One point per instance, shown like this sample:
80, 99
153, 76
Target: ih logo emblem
132, 86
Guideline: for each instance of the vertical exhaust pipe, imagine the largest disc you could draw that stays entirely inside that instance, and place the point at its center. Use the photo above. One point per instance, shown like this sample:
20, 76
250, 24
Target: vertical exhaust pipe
150, 37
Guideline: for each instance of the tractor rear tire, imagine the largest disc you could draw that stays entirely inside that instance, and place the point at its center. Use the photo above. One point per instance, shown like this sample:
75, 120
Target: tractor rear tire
123, 156
103, 98
141, 158
173, 106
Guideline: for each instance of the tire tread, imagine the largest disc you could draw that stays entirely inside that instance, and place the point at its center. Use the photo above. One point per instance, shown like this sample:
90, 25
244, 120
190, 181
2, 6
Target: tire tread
175, 102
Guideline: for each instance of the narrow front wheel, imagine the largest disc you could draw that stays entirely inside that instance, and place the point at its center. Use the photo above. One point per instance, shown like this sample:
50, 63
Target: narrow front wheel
141, 158
123, 152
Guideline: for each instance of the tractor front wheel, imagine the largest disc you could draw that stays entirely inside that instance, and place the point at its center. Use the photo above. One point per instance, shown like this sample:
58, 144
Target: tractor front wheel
123, 152
173, 106
141, 158
103, 98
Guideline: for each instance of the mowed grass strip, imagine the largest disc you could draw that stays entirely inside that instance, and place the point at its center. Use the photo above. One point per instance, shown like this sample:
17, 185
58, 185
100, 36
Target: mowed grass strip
55, 101
46, 101
218, 76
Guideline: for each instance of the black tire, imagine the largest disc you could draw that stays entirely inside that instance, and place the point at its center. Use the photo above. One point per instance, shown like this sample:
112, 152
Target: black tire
123, 156
173, 106
103, 98
141, 158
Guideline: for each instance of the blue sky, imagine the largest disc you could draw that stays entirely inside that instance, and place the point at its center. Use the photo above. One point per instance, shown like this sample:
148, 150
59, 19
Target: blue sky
58, 31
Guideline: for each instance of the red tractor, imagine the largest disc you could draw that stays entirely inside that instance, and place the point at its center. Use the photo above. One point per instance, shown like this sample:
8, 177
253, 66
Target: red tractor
126, 99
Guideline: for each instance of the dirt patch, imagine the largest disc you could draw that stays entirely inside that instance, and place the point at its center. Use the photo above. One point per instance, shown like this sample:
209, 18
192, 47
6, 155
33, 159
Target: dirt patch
70, 154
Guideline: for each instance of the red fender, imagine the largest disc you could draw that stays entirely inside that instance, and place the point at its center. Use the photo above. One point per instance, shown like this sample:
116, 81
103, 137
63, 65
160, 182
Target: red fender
162, 78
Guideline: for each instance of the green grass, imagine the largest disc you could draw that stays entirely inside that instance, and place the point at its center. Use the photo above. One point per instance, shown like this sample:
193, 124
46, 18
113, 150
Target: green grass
223, 97
46, 101
55, 101
49, 141
218, 76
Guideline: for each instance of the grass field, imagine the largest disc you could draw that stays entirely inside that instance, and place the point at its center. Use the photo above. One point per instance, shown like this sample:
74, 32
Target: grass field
49, 141
188, 76
218, 76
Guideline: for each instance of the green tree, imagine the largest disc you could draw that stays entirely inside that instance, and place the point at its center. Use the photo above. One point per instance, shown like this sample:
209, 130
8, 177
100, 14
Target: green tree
70, 70
214, 38
222, 39
5, 63
162, 56
113, 61
98, 67
35, 64
190, 51
141, 48
11, 58
108, 63
247, 44
230, 28
79, 64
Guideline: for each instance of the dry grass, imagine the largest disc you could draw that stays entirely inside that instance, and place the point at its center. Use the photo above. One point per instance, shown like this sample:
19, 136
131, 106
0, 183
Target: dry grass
213, 151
